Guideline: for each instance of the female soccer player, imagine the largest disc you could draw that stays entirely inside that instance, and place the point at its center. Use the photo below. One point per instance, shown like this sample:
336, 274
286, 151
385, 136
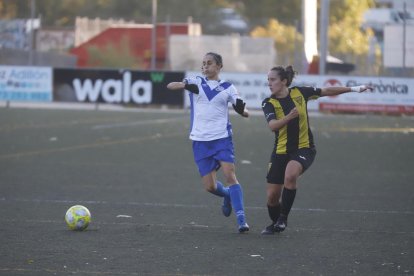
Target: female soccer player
212, 135
294, 151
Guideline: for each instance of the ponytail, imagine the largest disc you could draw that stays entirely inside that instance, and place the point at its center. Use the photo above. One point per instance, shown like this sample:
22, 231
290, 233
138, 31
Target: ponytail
287, 73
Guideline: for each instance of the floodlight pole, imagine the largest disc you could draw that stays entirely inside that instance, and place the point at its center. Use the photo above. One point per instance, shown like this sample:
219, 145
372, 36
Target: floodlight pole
167, 39
31, 36
154, 34
323, 36
404, 37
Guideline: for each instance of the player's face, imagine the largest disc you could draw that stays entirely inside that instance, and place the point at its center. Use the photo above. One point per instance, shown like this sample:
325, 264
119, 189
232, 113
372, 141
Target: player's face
276, 85
210, 68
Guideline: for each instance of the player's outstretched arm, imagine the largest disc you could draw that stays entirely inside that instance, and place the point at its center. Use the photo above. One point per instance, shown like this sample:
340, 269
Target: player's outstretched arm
193, 88
176, 85
333, 91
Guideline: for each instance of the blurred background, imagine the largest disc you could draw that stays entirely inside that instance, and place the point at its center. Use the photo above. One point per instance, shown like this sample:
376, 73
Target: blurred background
125, 52
353, 37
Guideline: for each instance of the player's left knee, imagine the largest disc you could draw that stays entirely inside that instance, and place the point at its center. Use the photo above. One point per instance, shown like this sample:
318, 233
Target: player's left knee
290, 180
231, 179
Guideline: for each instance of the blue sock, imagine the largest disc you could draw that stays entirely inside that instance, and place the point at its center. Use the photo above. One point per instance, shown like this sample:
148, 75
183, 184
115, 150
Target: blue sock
236, 195
221, 191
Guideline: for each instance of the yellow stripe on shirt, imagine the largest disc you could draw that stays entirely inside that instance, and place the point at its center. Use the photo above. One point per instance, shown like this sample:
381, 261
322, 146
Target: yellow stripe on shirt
300, 104
282, 137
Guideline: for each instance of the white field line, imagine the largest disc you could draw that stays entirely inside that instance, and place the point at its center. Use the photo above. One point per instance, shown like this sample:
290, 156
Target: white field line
65, 271
86, 146
179, 227
190, 206
120, 108
137, 123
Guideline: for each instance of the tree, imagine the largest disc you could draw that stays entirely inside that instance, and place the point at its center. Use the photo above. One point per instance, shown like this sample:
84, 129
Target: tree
277, 19
114, 56
346, 39
287, 40
285, 11
12, 9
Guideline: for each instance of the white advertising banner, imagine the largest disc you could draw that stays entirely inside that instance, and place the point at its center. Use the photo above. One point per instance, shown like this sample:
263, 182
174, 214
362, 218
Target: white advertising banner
390, 95
251, 87
20, 83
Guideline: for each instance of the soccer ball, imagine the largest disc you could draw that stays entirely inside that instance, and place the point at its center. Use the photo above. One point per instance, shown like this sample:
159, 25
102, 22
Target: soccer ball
78, 217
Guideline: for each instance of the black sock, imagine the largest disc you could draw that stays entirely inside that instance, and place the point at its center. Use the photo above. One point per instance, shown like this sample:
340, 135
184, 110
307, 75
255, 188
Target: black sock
274, 212
288, 196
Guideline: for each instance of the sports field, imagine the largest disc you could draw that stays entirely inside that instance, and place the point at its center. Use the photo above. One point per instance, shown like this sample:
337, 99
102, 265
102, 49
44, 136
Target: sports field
353, 214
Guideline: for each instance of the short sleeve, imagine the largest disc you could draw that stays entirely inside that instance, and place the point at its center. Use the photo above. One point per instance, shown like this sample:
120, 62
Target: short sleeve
268, 110
310, 93
196, 81
233, 94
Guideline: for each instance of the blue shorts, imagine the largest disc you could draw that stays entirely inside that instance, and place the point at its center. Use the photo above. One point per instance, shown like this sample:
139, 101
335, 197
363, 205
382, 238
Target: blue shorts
208, 154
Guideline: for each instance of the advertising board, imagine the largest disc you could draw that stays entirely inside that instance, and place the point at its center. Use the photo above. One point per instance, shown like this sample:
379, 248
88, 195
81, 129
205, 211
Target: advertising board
21, 83
116, 87
389, 95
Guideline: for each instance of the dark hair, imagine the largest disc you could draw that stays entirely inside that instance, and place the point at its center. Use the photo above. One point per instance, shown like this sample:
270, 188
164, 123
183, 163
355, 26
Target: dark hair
217, 58
285, 73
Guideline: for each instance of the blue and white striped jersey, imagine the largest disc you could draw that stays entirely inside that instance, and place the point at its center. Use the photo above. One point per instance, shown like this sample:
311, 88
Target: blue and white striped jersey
209, 109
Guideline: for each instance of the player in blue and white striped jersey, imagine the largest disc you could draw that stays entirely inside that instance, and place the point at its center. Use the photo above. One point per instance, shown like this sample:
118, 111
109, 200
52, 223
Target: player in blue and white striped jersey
211, 133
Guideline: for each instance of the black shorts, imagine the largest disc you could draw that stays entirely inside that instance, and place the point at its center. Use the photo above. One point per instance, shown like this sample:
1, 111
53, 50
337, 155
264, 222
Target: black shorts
278, 163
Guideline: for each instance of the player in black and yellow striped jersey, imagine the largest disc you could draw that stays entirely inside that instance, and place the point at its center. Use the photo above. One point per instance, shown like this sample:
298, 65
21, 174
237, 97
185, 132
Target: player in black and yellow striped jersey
294, 149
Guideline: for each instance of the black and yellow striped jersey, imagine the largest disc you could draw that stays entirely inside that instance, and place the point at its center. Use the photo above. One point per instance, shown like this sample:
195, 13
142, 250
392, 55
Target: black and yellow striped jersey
297, 133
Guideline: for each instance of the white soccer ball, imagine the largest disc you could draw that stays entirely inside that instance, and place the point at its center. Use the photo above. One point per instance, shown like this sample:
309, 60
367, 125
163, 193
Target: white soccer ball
78, 217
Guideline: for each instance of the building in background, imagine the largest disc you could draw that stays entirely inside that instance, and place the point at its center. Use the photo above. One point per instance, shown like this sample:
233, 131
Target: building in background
130, 40
42, 47
59, 40
226, 21
393, 24
240, 53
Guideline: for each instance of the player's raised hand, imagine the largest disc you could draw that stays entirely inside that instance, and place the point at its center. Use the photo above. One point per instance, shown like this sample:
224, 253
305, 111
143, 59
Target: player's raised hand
361, 88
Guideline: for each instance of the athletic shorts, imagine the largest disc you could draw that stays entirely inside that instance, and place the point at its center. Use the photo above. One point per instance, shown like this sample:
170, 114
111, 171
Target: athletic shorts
208, 154
278, 163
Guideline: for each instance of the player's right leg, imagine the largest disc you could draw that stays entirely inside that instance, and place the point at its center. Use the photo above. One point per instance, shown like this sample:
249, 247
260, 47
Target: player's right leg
273, 206
212, 185
236, 195
293, 170
275, 179
207, 166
